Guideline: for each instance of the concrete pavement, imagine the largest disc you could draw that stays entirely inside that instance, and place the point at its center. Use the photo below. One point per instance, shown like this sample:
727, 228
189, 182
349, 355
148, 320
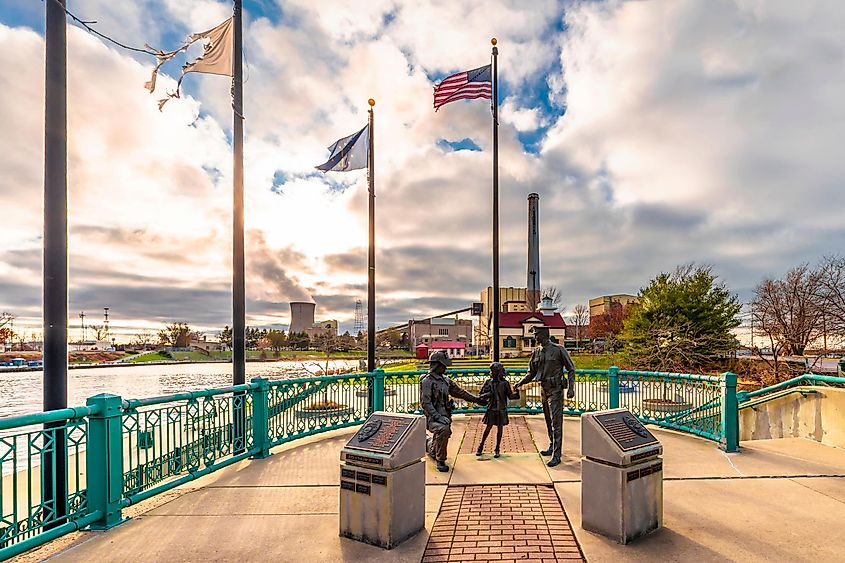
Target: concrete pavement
778, 500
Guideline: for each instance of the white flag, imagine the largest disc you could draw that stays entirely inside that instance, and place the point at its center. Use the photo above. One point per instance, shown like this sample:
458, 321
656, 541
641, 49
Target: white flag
216, 57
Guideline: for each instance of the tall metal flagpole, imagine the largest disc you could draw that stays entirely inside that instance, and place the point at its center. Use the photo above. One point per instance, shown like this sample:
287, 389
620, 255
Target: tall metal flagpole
54, 491
496, 296
371, 262
238, 290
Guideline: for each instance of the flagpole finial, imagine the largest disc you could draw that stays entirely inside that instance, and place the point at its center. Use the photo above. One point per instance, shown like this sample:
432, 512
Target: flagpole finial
493, 41
372, 102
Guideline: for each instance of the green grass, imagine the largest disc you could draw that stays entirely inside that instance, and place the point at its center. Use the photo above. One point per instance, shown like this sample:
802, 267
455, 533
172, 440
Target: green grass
149, 357
595, 361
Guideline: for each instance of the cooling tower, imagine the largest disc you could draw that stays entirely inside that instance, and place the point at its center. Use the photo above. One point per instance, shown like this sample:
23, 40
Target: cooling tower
301, 315
533, 284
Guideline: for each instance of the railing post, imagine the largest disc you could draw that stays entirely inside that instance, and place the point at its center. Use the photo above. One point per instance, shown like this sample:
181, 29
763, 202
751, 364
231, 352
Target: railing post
378, 390
613, 387
104, 460
730, 414
260, 421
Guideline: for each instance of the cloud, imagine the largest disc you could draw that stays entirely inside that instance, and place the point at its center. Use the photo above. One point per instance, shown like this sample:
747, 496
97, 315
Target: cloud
693, 131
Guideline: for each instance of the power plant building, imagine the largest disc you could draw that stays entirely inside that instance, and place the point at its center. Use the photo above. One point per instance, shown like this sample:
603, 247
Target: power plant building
301, 315
521, 308
605, 303
439, 329
302, 320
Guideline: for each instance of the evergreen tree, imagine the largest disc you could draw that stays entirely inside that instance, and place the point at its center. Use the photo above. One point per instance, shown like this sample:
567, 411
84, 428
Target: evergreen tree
683, 322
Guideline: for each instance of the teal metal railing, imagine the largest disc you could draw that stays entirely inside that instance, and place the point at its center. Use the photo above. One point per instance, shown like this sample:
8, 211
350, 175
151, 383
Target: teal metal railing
773, 391
120, 452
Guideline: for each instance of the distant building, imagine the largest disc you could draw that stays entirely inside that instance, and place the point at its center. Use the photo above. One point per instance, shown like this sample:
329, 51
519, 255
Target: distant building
452, 348
515, 329
511, 300
432, 330
603, 304
301, 316
92, 345
205, 344
322, 328
421, 351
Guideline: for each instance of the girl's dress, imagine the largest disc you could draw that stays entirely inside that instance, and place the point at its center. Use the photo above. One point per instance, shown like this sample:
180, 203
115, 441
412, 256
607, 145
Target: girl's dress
497, 393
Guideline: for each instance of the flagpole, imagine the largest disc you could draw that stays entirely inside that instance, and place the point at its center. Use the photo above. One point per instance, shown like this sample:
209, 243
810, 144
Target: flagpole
238, 286
371, 265
496, 296
238, 289
54, 474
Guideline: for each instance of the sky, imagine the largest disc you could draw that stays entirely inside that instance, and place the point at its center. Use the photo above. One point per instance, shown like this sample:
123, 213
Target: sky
657, 133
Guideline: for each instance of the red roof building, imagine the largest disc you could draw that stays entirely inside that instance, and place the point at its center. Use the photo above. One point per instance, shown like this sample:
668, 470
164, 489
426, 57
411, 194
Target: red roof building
515, 331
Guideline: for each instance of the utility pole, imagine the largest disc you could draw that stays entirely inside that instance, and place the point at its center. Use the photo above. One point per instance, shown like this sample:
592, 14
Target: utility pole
53, 468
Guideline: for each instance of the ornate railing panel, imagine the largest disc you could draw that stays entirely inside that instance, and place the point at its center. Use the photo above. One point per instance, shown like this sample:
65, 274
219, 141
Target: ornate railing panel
175, 438
121, 452
30, 459
692, 403
301, 407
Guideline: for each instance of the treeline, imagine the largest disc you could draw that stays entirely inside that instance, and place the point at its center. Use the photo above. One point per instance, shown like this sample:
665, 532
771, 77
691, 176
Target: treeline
181, 335
686, 320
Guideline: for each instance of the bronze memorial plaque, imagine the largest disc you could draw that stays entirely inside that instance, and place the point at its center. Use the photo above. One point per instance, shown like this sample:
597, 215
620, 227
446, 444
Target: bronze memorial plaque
626, 430
380, 434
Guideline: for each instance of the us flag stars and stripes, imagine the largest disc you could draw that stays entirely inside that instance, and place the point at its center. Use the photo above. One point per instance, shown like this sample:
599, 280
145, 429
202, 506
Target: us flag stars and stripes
468, 85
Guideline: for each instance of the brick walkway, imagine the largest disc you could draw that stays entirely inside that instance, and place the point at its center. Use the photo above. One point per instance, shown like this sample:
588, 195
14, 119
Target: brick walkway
501, 523
516, 439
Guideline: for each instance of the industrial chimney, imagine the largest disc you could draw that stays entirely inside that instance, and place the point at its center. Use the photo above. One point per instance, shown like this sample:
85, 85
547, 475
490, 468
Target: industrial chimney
533, 285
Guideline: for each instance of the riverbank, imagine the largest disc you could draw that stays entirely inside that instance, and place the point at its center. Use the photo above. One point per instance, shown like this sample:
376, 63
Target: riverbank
186, 360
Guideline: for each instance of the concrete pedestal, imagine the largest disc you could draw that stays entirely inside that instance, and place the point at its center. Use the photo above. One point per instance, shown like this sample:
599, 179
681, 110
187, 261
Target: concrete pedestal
382, 480
382, 508
622, 503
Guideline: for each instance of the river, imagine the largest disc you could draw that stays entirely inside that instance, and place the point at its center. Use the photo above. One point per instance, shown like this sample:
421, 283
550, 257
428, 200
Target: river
21, 392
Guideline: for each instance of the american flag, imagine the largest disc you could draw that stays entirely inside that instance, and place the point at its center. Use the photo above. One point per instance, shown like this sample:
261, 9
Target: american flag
467, 85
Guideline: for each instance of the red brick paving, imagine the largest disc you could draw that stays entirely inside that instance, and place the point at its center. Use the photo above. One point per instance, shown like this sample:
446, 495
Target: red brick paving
503, 523
516, 438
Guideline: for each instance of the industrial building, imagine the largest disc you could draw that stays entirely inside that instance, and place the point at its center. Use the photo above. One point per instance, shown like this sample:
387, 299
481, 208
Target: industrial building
520, 308
431, 330
605, 303
302, 320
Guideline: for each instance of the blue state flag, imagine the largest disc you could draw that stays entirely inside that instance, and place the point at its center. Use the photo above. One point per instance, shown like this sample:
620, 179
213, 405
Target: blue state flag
349, 153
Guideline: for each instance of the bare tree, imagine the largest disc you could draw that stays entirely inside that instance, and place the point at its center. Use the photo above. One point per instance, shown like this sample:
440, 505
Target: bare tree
581, 318
556, 295
142, 339
788, 312
6, 319
831, 294
100, 331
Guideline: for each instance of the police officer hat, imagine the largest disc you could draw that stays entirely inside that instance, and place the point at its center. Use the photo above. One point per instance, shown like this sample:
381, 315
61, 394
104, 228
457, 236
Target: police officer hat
540, 330
441, 358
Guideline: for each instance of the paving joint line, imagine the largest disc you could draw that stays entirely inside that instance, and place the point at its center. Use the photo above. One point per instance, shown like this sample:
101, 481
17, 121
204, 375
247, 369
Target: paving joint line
819, 492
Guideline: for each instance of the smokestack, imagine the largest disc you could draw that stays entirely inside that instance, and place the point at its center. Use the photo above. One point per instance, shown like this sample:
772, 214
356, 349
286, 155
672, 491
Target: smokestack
533, 284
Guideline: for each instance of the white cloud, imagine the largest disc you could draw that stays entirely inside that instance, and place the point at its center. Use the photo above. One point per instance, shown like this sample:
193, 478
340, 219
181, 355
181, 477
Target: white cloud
693, 131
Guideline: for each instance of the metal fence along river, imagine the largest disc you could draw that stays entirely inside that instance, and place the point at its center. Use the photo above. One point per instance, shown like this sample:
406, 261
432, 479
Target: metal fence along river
122, 451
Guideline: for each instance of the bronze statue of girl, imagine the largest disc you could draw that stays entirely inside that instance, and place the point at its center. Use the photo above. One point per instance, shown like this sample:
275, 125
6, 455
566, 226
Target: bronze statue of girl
496, 391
